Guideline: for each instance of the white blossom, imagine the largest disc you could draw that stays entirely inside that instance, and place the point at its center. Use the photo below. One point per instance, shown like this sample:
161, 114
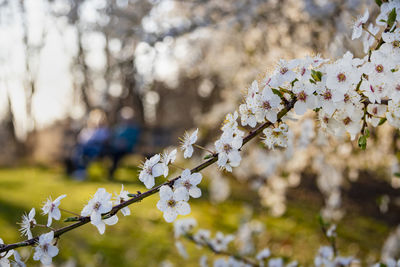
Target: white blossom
167, 158
173, 203
4, 261
187, 142
121, 198
98, 205
151, 169
17, 260
358, 24
221, 241
51, 208
227, 148
183, 226
267, 106
45, 250
189, 181
28, 222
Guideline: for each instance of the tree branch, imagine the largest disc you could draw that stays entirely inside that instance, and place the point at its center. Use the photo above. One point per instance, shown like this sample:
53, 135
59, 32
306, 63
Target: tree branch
140, 196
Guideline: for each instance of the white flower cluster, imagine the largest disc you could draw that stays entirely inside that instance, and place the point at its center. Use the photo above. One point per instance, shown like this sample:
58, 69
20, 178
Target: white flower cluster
174, 201
45, 248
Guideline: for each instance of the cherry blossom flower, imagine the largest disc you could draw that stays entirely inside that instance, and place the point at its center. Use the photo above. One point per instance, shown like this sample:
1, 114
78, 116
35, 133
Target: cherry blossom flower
173, 203
187, 142
283, 73
328, 99
45, 250
230, 121
221, 241
98, 205
305, 97
247, 116
51, 208
183, 226
377, 112
276, 136
202, 236
358, 24
189, 181
28, 222
167, 158
267, 105
368, 39
4, 261
343, 75
17, 260
151, 169
121, 198
228, 150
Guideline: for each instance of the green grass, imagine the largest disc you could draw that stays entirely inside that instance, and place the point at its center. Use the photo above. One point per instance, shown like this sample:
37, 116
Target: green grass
145, 239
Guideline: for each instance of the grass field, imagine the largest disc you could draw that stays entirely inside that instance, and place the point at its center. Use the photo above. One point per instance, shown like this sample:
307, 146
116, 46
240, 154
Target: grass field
145, 239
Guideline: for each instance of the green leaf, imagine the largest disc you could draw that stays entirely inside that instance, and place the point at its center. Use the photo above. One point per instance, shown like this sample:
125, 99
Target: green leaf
362, 142
72, 219
378, 2
397, 174
366, 132
316, 75
392, 18
209, 156
277, 92
382, 121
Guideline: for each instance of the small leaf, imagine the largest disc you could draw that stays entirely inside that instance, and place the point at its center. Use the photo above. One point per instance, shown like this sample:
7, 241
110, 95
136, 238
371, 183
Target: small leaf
362, 142
378, 2
72, 219
397, 174
392, 18
366, 132
382, 121
209, 156
316, 75
277, 92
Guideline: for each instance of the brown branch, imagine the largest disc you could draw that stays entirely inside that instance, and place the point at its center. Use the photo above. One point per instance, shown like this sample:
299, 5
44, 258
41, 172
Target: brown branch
140, 196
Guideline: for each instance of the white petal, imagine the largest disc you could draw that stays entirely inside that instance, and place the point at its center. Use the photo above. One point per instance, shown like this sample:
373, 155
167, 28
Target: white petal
52, 251
181, 194
111, 221
101, 227
56, 214
166, 192
183, 208
300, 108
170, 215
157, 170
196, 178
195, 192
126, 211
188, 152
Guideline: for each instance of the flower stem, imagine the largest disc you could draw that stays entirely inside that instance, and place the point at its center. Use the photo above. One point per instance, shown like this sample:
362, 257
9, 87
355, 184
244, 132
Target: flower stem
203, 148
71, 212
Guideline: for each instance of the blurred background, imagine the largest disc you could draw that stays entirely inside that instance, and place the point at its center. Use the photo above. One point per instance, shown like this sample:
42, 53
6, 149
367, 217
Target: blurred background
88, 88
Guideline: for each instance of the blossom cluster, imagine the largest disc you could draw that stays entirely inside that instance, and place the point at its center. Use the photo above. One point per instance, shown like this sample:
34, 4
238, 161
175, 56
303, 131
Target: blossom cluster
348, 95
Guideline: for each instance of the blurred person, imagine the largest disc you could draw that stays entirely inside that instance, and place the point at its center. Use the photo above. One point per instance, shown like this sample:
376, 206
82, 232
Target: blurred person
92, 143
125, 136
